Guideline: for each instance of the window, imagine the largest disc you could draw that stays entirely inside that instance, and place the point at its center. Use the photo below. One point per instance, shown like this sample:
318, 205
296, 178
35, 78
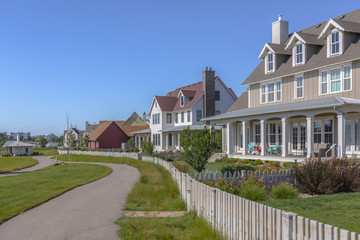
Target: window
270, 62
347, 78
280, 133
257, 134
335, 81
176, 117
156, 118
272, 133
299, 87
299, 53
271, 92
263, 93
188, 116
198, 115
168, 118
182, 117
335, 43
182, 100
328, 131
317, 131
217, 112
278, 91
323, 82
156, 139
217, 95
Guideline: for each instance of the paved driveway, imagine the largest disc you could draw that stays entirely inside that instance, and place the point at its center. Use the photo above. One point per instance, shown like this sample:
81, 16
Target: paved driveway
87, 212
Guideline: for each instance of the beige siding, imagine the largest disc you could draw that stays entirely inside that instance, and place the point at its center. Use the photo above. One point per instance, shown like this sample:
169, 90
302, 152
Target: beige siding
311, 88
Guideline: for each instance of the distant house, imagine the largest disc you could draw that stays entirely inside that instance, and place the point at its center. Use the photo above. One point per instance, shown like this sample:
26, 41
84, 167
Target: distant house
78, 135
51, 144
112, 134
18, 148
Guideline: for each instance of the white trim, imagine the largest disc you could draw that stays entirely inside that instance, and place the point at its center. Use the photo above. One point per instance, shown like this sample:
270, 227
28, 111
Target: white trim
266, 84
328, 70
296, 87
294, 54
262, 54
327, 26
267, 62
291, 41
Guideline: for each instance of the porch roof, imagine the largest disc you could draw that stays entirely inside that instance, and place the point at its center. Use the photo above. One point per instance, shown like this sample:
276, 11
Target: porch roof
288, 107
142, 131
192, 127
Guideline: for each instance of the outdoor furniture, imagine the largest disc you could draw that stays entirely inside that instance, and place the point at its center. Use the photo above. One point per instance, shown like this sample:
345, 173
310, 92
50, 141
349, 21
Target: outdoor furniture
251, 147
273, 150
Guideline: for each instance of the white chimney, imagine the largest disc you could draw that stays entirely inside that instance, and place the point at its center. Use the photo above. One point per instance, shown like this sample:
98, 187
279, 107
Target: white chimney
18, 137
280, 31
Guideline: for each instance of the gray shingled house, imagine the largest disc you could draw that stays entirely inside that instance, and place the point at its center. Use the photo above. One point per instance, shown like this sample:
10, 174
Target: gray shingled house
303, 99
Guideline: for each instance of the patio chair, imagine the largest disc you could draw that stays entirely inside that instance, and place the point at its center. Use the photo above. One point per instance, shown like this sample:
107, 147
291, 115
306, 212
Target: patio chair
273, 150
251, 147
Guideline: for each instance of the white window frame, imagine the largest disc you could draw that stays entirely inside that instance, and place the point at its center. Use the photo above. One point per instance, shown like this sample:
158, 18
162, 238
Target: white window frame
330, 44
182, 100
188, 116
295, 54
296, 87
342, 79
266, 93
267, 70
337, 80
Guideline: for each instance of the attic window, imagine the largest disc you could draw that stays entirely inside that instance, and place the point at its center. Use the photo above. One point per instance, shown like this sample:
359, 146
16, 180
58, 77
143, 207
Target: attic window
270, 62
182, 100
335, 43
299, 53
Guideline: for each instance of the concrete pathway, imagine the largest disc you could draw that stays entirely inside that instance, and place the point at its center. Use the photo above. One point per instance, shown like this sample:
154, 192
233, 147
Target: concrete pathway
43, 162
153, 214
87, 212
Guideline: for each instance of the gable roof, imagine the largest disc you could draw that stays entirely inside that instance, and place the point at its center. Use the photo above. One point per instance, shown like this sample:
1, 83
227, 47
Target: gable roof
103, 125
135, 119
275, 48
241, 103
346, 26
318, 60
17, 144
306, 38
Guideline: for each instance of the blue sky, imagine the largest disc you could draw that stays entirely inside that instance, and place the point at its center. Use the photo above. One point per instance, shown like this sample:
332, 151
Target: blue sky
103, 60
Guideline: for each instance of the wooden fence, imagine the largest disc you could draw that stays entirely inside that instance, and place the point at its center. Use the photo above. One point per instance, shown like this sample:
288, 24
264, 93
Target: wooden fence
239, 218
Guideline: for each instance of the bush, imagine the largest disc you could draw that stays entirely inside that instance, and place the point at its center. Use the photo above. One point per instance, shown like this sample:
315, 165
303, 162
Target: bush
283, 191
230, 160
177, 159
286, 164
6, 155
253, 192
148, 148
225, 159
218, 160
258, 162
235, 160
276, 164
181, 166
325, 177
235, 168
229, 187
246, 161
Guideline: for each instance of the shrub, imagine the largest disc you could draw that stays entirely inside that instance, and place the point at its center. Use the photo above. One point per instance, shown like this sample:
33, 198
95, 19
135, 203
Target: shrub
148, 148
286, 164
177, 159
230, 186
276, 164
283, 191
258, 162
253, 192
181, 166
246, 161
235, 168
230, 160
235, 160
225, 159
325, 177
218, 160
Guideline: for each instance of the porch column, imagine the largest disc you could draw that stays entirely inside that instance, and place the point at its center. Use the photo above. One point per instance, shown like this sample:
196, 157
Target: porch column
244, 138
285, 139
262, 137
178, 141
173, 141
230, 134
341, 135
167, 141
139, 142
310, 137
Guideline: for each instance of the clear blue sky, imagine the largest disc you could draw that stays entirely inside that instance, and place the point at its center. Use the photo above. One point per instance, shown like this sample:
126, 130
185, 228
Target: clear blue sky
103, 60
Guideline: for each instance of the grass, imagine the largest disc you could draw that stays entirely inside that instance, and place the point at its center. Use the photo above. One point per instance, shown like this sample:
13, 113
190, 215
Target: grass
339, 210
188, 226
155, 191
22, 192
47, 151
10, 164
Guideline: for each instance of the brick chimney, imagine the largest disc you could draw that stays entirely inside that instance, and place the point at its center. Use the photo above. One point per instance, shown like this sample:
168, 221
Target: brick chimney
208, 83
280, 31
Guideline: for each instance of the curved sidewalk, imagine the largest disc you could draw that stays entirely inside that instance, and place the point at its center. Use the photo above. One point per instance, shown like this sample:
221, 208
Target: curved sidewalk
43, 162
86, 212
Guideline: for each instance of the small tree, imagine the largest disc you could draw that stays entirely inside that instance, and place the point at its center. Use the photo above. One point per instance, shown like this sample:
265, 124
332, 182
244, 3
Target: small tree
198, 146
147, 147
131, 143
85, 140
71, 141
60, 140
42, 142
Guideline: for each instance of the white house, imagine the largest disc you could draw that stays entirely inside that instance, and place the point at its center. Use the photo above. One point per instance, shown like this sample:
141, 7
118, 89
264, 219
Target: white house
18, 148
185, 107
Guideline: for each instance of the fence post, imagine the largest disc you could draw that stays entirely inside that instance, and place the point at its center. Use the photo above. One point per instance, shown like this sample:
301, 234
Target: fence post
188, 192
288, 219
214, 208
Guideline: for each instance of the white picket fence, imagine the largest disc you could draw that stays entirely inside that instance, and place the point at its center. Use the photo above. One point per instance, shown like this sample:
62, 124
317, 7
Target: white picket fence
239, 218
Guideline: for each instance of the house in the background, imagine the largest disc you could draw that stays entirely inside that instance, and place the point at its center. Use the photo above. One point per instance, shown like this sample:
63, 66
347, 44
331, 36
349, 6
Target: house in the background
303, 97
185, 107
115, 134
52, 144
79, 134
18, 148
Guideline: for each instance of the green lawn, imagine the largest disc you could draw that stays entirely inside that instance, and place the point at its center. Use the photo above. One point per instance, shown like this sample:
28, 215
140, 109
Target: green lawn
186, 227
22, 192
339, 210
47, 151
155, 190
10, 164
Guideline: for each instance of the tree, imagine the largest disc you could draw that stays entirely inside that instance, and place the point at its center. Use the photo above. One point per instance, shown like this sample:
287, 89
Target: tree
42, 142
198, 146
1, 141
85, 140
147, 147
60, 140
71, 141
131, 143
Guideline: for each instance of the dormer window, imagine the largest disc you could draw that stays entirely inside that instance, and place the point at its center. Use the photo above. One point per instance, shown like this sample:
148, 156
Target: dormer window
335, 43
299, 53
182, 101
270, 62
